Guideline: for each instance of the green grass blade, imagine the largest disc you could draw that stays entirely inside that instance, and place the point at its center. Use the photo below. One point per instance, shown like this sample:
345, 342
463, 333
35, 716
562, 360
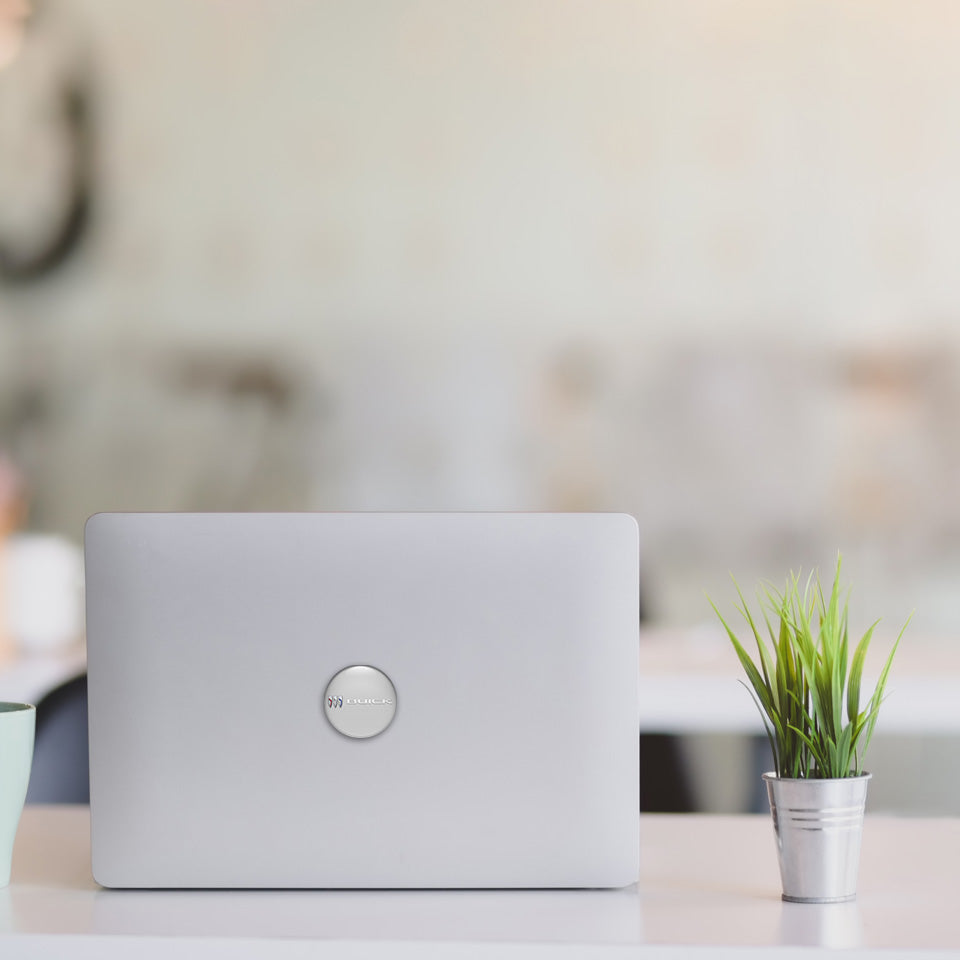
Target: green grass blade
766, 663
873, 708
771, 737
804, 681
814, 748
753, 674
856, 672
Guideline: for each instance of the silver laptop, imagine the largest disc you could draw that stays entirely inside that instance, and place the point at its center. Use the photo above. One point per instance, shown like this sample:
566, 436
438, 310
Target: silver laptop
363, 700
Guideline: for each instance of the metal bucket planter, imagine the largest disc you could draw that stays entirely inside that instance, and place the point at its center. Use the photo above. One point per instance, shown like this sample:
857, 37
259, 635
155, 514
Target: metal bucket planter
818, 825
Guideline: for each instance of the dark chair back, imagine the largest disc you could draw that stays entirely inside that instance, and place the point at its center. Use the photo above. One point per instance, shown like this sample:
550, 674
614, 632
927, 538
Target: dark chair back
61, 757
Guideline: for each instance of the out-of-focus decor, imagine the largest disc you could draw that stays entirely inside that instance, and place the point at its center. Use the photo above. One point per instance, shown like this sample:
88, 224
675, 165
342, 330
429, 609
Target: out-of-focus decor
807, 687
13, 509
44, 593
184, 428
13, 499
46, 155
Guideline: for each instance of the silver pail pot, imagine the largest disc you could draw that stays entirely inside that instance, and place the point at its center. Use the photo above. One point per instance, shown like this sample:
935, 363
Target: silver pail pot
818, 825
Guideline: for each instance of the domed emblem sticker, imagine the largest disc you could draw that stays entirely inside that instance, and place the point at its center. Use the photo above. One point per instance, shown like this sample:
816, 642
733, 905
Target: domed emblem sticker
360, 702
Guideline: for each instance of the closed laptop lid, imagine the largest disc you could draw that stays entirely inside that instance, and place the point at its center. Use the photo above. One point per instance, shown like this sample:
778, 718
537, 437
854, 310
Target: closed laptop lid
363, 700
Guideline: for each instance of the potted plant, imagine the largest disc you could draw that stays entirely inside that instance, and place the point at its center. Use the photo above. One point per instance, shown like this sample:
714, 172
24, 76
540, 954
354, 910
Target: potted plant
807, 686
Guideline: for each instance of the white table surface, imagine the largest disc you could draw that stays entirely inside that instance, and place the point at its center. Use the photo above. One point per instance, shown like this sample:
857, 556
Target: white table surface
689, 683
708, 886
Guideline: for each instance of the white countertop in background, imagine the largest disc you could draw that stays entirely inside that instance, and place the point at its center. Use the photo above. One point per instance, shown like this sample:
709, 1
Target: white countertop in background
689, 683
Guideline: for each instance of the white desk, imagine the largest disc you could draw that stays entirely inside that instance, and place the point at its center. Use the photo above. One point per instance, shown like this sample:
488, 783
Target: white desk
709, 886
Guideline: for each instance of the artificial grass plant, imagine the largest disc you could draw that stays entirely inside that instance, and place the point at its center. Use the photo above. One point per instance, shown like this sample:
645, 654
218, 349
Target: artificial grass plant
806, 683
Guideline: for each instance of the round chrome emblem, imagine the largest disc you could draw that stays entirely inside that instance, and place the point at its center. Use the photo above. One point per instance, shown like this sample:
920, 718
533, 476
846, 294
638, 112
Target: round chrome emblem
360, 702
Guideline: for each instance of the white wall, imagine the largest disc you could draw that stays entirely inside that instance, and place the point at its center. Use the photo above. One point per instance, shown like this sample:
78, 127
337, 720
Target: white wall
694, 260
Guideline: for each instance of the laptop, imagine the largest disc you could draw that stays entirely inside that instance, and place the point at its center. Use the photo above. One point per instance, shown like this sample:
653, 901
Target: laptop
363, 700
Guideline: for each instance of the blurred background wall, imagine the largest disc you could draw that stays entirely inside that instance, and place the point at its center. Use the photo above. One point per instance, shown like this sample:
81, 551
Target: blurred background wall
691, 259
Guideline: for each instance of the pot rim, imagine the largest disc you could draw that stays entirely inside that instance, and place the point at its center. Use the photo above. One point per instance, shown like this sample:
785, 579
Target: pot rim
771, 775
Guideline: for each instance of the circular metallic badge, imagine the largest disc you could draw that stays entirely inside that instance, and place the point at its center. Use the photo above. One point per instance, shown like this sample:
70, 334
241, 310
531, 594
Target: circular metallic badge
360, 702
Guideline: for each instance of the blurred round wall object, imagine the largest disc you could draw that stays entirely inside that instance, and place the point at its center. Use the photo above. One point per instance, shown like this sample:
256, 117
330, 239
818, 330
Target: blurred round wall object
44, 592
46, 137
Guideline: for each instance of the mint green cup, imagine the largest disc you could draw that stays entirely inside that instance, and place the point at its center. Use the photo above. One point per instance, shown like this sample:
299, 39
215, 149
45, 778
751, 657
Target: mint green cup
17, 724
